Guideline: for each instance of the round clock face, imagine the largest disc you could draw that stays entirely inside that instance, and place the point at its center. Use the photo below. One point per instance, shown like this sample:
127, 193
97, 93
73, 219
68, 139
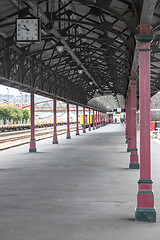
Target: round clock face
27, 30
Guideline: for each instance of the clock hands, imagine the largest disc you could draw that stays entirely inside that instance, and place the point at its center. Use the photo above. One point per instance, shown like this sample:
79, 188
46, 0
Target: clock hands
26, 27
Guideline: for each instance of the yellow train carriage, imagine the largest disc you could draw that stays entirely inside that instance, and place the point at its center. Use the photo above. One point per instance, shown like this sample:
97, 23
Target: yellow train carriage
87, 120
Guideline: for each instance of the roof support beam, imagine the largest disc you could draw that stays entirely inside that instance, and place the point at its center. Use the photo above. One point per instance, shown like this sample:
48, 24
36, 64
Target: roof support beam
54, 31
146, 18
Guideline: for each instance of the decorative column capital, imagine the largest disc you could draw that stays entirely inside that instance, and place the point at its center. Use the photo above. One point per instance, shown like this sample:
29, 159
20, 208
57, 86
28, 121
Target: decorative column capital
144, 35
133, 80
31, 90
144, 38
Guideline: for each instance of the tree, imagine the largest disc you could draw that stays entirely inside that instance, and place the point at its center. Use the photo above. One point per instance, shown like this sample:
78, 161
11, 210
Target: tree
17, 114
5, 114
14, 113
1, 113
26, 114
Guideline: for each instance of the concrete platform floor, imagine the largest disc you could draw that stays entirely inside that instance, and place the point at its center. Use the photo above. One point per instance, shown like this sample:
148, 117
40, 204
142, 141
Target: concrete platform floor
80, 189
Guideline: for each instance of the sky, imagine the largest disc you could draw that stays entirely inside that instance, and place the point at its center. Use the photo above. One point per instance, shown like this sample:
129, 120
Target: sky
12, 91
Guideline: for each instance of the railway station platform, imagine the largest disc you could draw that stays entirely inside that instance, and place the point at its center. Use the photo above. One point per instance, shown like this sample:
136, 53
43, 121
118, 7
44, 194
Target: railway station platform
80, 189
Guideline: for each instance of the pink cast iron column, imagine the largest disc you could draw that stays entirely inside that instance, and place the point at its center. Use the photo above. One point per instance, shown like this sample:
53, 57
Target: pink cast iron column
89, 119
55, 139
129, 120
126, 121
145, 198
84, 121
100, 115
68, 129
32, 139
103, 120
93, 121
77, 122
96, 120
134, 156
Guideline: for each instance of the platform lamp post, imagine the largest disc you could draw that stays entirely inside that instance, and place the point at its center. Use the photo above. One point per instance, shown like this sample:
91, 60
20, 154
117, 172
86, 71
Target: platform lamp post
77, 122
93, 121
68, 127
84, 120
89, 119
145, 210
55, 139
32, 139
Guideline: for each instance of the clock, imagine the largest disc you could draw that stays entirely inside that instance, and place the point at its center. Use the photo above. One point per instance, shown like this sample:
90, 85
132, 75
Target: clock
28, 30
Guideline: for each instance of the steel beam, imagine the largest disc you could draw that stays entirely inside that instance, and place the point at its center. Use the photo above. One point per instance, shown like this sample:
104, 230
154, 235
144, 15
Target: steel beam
146, 19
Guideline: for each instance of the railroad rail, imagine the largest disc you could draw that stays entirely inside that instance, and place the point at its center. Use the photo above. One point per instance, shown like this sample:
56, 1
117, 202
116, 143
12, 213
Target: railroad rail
17, 127
14, 139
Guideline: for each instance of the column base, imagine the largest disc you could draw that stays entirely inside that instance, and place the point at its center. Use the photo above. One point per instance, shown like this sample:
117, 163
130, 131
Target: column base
89, 129
129, 149
96, 127
68, 137
126, 141
145, 214
77, 133
134, 165
32, 149
93, 128
84, 131
55, 139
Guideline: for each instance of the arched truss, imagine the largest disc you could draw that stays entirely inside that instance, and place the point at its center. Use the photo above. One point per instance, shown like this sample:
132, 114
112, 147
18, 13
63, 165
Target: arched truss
97, 35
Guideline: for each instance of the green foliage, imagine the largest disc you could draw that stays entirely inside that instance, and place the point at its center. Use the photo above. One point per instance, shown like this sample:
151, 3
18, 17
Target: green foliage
26, 114
14, 113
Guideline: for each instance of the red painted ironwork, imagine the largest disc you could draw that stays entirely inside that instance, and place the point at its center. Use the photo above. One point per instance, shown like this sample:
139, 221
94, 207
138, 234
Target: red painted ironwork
129, 120
134, 155
96, 121
145, 199
44, 106
55, 139
89, 119
32, 139
84, 121
77, 122
68, 128
93, 120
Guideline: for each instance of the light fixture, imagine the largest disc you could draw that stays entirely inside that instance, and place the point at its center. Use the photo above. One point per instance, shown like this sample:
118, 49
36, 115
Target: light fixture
91, 83
60, 47
80, 71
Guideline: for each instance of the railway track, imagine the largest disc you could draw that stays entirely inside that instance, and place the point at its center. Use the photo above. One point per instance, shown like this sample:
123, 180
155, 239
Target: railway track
14, 139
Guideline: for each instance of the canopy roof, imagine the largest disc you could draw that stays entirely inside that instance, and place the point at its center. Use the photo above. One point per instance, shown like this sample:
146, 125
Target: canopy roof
98, 36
